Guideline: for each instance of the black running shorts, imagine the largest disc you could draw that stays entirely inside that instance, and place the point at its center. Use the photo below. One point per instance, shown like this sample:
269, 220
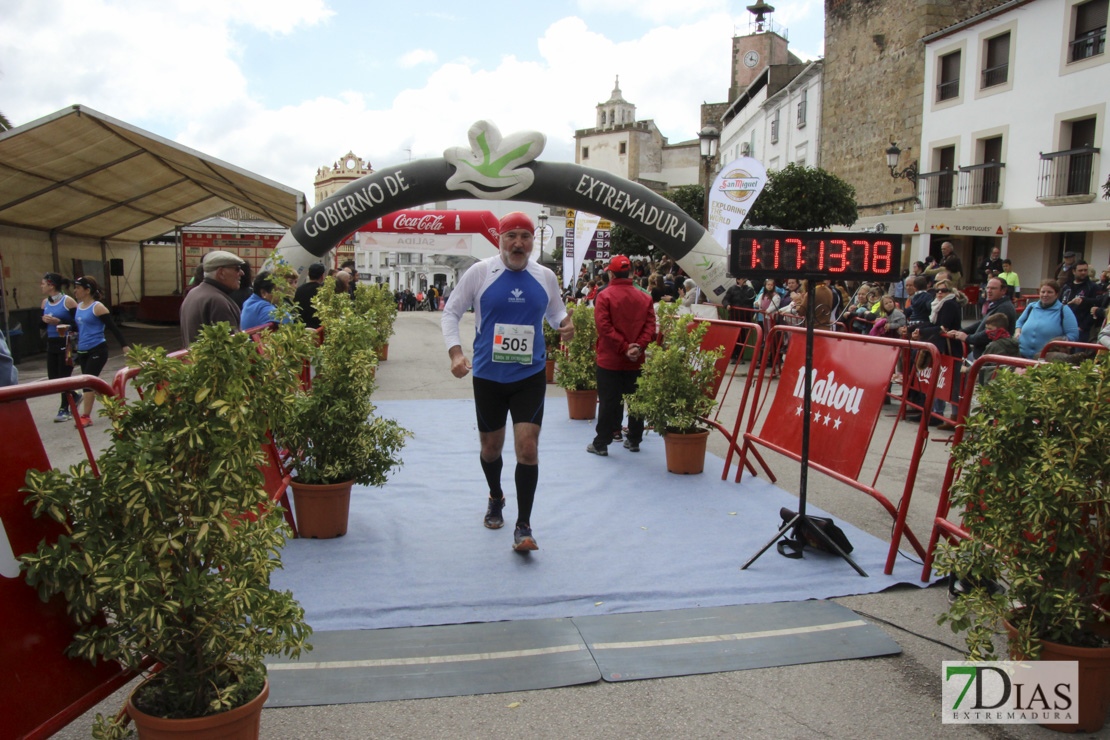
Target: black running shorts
93, 360
493, 401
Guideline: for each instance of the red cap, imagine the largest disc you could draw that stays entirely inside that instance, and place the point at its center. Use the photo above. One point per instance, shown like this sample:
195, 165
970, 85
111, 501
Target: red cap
516, 220
620, 263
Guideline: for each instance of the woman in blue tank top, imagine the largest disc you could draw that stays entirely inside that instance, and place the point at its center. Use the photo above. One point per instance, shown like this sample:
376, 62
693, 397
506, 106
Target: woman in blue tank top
57, 309
93, 318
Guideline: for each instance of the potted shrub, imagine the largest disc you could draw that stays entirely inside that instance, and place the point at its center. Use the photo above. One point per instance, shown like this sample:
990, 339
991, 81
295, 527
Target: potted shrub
1034, 487
377, 301
331, 431
671, 394
168, 553
576, 364
551, 341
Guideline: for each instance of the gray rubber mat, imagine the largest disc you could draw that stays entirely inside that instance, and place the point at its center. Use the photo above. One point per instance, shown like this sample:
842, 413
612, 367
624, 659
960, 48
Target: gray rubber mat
685, 642
350, 666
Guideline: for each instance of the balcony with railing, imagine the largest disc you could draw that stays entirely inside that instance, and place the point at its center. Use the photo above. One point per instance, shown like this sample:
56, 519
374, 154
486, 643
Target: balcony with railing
937, 188
980, 185
1087, 45
948, 90
996, 75
1068, 177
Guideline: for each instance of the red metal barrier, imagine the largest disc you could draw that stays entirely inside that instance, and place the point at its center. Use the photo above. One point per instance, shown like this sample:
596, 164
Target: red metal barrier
751, 438
1065, 344
727, 336
42, 690
941, 526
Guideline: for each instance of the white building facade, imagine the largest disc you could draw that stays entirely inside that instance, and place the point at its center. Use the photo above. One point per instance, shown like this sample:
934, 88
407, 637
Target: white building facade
636, 150
1013, 127
777, 118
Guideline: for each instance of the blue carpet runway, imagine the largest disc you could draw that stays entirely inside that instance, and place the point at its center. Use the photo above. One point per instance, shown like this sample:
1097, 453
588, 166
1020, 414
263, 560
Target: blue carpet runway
617, 535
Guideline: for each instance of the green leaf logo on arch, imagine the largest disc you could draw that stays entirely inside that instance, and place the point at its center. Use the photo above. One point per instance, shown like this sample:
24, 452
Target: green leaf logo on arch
492, 168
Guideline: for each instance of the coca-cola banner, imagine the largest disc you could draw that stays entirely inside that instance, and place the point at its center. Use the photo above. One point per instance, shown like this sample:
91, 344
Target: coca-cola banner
948, 384
850, 379
496, 167
437, 222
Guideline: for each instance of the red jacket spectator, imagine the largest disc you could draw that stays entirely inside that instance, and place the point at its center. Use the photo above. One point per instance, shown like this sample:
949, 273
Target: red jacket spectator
624, 316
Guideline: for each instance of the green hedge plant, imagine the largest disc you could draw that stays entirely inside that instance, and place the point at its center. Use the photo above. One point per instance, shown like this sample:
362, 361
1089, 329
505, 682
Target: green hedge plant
1034, 488
576, 360
332, 429
671, 393
162, 554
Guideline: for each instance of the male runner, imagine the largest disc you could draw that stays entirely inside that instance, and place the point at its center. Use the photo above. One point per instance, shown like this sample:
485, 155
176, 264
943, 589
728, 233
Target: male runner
511, 296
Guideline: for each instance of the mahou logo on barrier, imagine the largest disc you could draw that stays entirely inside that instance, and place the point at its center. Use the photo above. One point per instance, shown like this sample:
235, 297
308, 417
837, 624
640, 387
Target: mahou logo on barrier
849, 383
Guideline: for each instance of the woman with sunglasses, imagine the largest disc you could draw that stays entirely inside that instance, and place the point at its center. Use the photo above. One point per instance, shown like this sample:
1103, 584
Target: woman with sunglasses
57, 310
92, 318
945, 316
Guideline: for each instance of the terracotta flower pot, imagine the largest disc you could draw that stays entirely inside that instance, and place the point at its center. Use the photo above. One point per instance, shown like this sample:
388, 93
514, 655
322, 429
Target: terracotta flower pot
241, 723
550, 368
582, 405
383, 353
685, 452
1093, 695
321, 510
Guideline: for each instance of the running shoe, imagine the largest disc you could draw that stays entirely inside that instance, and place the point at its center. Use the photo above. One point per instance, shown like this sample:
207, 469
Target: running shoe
493, 518
599, 451
959, 587
631, 446
85, 421
617, 436
63, 415
523, 539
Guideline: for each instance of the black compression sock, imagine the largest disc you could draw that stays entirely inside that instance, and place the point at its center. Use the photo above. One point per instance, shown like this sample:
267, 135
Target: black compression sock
493, 476
526, 478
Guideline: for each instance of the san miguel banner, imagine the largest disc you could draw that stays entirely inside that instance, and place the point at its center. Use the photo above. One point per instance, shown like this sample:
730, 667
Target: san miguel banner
494, 167
850, 379
733, 194
437, 222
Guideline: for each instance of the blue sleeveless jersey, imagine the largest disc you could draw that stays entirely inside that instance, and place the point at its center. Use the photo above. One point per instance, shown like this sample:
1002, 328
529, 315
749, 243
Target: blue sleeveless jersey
90, 328
503, 296
61, 312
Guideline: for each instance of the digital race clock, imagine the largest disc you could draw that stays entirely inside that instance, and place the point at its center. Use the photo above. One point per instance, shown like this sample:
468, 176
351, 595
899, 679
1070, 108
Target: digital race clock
840, 255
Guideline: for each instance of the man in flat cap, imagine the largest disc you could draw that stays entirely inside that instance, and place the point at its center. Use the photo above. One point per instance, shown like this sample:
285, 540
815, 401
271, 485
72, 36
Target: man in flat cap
511, 296
211, 301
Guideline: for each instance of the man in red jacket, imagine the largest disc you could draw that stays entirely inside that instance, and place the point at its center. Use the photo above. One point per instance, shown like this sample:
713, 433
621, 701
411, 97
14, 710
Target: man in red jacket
625, 321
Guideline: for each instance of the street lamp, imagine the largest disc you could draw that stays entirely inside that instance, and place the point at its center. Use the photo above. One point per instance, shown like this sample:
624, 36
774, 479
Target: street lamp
709, 138
910, 173
542, 218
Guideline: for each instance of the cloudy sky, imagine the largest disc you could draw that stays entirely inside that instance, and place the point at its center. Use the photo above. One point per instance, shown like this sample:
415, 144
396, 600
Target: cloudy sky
283, 87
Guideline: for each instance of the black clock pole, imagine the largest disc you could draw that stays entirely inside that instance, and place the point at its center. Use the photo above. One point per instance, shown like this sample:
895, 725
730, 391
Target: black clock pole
794, 548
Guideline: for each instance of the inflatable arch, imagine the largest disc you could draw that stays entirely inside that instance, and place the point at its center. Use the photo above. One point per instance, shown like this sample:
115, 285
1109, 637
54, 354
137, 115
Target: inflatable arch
504, 168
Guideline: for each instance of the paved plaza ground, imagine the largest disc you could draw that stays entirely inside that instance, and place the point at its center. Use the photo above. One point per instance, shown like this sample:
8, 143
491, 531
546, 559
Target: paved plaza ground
877, 698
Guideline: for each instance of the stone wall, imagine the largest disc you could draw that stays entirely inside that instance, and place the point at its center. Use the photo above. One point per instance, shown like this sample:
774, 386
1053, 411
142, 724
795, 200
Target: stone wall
873, 89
